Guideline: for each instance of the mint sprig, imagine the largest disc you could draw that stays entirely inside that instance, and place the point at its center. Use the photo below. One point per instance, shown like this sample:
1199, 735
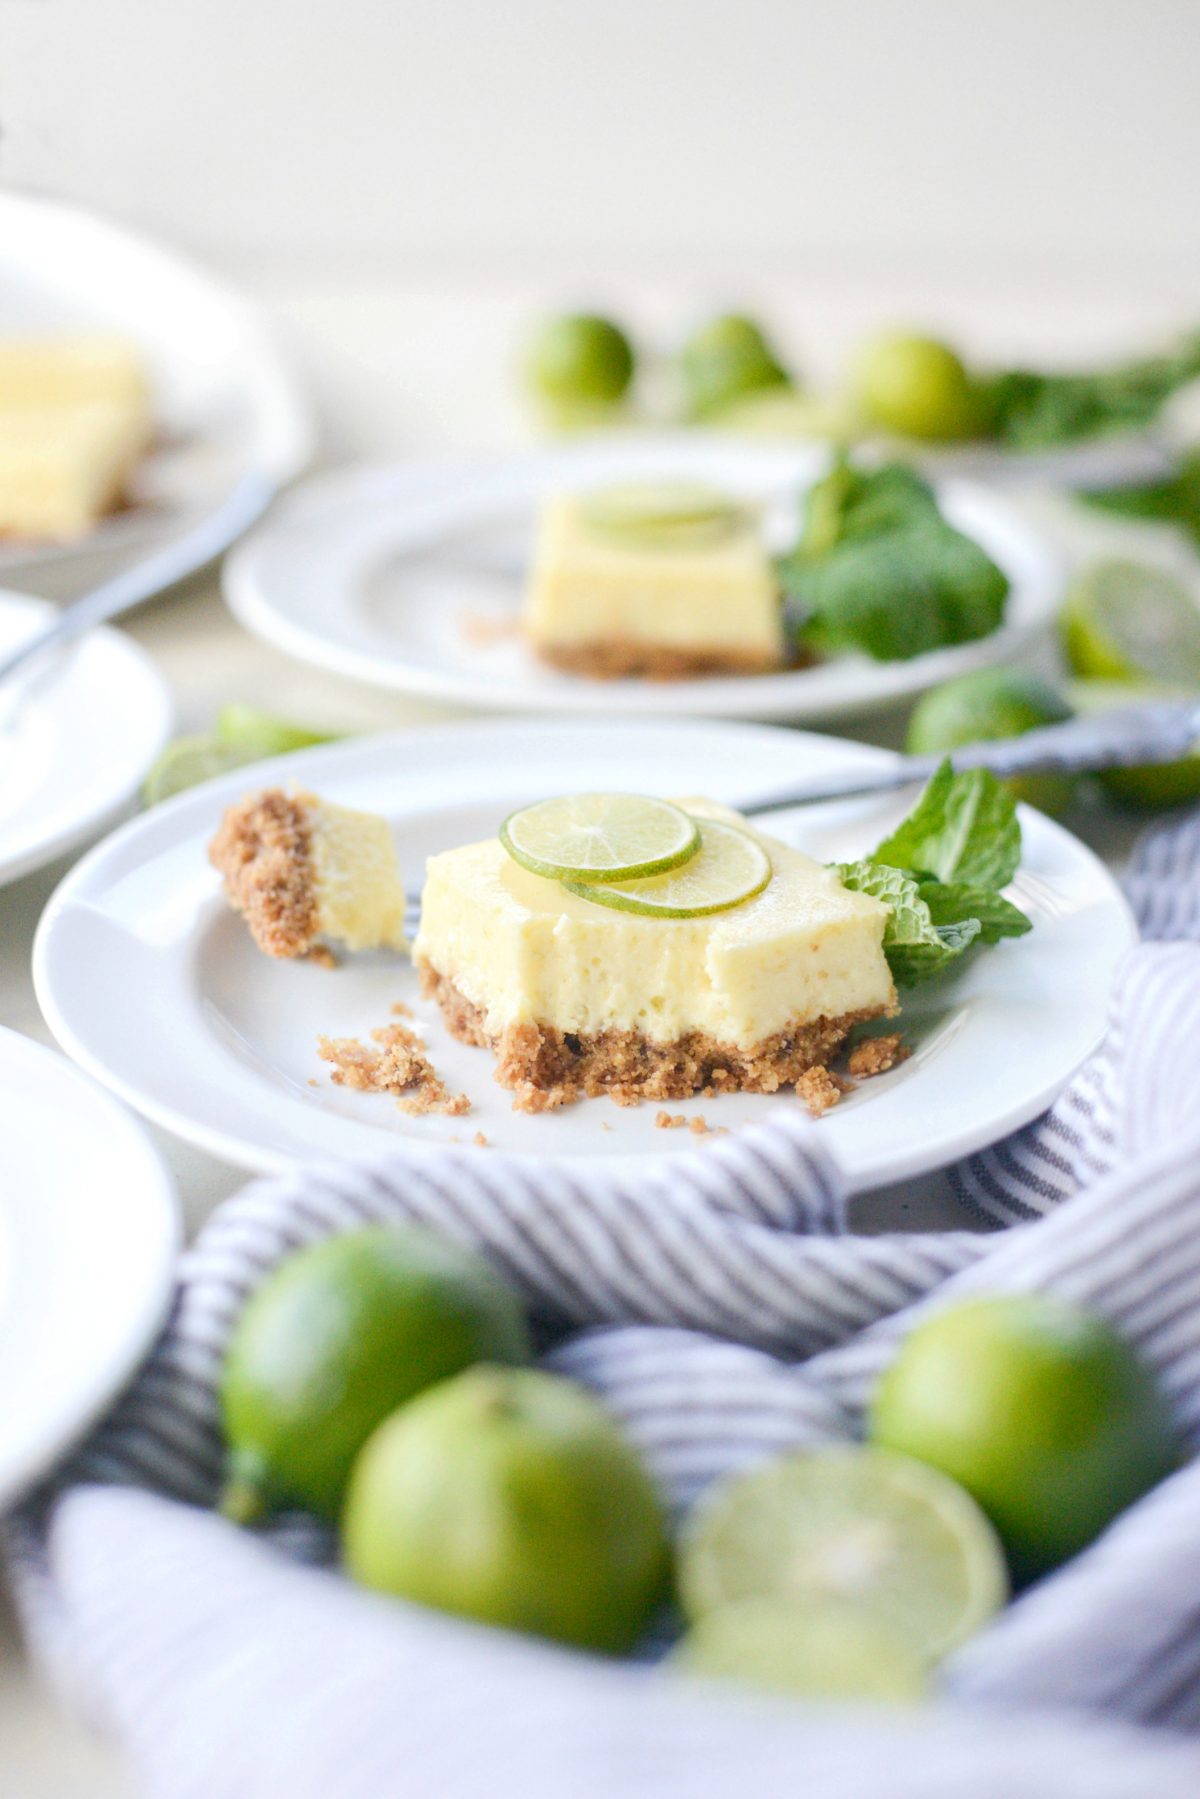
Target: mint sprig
940, 873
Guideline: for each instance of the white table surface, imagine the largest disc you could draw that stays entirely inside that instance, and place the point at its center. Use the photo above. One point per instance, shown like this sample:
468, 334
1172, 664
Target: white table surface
398, 369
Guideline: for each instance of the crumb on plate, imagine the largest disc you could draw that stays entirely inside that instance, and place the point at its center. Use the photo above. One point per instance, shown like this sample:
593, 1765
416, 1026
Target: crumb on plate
399, 1066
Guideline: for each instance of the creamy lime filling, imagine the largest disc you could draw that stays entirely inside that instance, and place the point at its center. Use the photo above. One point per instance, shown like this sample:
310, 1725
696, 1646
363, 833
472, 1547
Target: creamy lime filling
360, 896
523, 949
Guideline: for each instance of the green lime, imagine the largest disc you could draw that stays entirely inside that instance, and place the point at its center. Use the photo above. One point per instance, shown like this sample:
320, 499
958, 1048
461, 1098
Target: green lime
1126, 621
246, 727
512, 1498
982, 707
338, 1337
579, 360
661, 514
724, 362
915, 387
731, 866
1039, 1409
190, 760
604, 836
834, 1652
1156, 786
849, 1526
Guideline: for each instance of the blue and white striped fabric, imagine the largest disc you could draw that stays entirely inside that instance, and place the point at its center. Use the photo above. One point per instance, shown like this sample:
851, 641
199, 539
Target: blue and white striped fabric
725, 1311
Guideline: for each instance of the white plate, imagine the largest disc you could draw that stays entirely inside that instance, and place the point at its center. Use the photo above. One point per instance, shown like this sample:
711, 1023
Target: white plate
226, 404
385, 574
89, 1229
152, 983
76, 738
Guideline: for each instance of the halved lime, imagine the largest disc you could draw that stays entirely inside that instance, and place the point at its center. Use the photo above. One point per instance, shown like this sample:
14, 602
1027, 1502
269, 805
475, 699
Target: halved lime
603, 836
661, 514
834, 1651
1128, 621
190, 760
1155, 786
247, 727
732, 866
861, 1527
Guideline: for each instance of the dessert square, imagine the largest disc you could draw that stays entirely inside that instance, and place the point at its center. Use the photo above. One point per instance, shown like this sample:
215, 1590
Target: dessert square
305, 873
578, 999
606, 606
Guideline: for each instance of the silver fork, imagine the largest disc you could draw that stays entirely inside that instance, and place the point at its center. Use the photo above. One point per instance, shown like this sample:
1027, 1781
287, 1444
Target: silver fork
1126, 737
245, 503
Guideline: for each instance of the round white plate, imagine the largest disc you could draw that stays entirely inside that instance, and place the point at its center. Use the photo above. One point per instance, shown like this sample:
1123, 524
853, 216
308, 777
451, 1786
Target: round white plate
148, 978
226, 404
76, 737
411, 578
89, 1229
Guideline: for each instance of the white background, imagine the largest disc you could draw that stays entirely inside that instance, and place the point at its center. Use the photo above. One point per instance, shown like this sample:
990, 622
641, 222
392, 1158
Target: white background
981, 139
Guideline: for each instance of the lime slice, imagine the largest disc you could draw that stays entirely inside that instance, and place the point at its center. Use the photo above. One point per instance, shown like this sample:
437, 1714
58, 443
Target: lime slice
246, 727
1155, 786
189, 761
661, 514
604, 836
834, 1652
1126, 621
853, 1526
731, 867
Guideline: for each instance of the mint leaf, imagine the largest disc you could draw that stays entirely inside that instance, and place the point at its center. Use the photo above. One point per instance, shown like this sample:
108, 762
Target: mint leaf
955, 902
915, 944
962, 829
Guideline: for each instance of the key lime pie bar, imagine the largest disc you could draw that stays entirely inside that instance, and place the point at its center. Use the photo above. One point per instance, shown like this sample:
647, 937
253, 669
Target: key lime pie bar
305, 874
661, 581
75, 420
612, 944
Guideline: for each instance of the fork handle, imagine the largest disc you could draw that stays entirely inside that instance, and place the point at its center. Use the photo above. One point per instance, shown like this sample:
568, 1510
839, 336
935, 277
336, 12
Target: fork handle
246, 502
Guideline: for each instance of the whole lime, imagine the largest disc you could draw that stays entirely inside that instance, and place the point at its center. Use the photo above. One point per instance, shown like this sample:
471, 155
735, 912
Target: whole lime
338, 1337
1155, 786
579, 360
1038, 1409
990, 704
915, 387
510, 1496
724, 362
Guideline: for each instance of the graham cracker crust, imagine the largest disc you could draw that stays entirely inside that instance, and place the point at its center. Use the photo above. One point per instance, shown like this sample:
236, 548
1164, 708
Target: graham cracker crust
263, 849
620, 657
545, 1068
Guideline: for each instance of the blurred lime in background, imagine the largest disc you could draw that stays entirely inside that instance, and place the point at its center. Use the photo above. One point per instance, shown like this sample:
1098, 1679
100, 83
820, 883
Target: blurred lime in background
578, 366
725, 362
988, 705
1158, 786
241, 734
915, 386
1129, 621
825, 1652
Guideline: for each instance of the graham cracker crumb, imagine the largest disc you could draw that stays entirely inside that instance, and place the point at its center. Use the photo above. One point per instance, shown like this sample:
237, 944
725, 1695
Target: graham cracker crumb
480, 1141
399, 1066
400, 1010
667, 1121
875, 1055
820, 1090
545, 1068
618, 657
699, 1126
321, 956
263, 850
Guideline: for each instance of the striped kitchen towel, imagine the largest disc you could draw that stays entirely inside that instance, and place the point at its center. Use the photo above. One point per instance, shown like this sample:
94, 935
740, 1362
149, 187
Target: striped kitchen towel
725, 1311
